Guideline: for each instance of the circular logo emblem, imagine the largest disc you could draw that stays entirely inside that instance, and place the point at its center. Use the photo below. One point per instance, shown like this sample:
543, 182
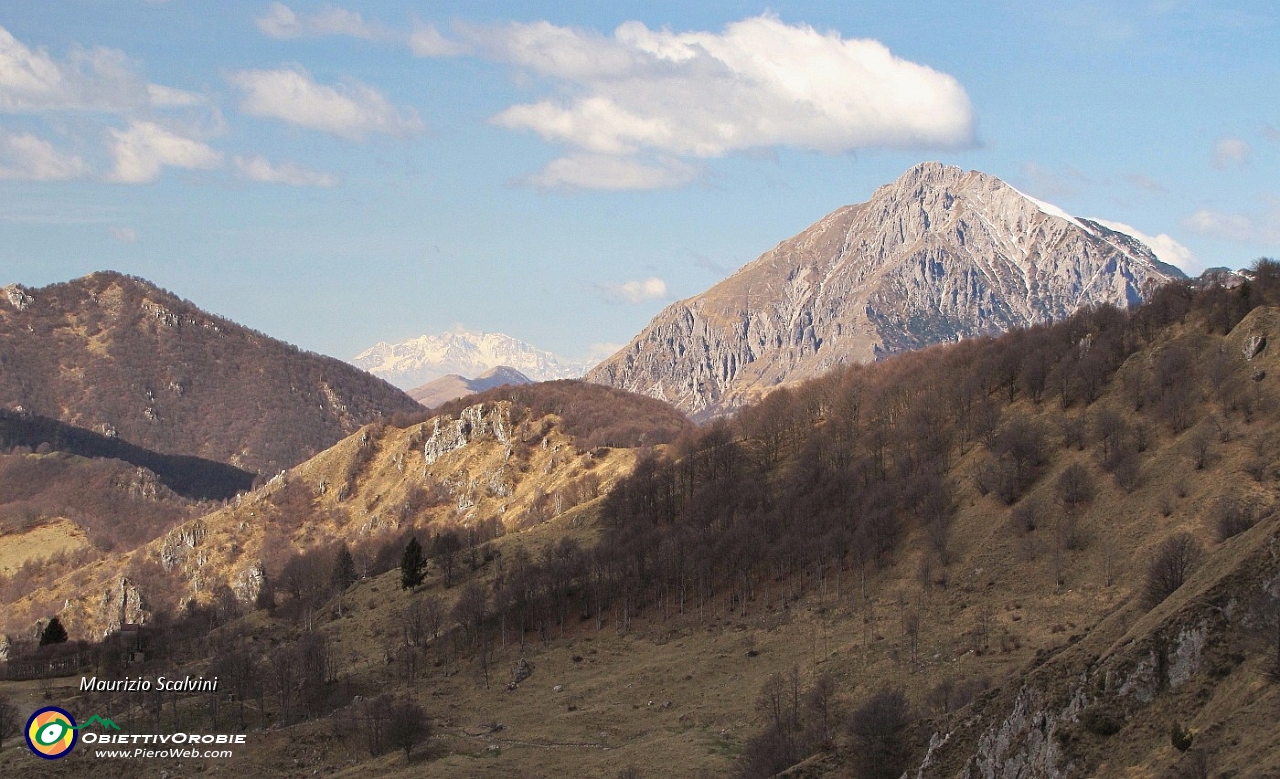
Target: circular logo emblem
51, 733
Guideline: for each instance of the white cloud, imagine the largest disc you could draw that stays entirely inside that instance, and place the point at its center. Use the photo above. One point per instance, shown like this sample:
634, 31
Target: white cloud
258, 168
710, 265
1262, 228
124, 234
143, 149
88, 79
93, 81
652, 288
602, 171
1236, 227
24, 157
282, 22
1164, 246
1229, 152
426, 41
760, 83
350, 110
168, 97
31, 80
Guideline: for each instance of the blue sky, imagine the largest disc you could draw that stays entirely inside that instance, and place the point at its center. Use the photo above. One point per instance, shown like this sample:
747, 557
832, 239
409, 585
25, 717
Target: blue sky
337, 174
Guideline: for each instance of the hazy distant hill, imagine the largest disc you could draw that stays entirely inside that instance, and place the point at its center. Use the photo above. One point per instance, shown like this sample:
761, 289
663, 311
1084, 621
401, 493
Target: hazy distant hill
938, 255
420, 360
117, 355
453, 386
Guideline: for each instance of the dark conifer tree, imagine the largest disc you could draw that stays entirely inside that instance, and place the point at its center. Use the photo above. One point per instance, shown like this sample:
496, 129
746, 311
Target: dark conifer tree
344, 568
413, 566
54, 633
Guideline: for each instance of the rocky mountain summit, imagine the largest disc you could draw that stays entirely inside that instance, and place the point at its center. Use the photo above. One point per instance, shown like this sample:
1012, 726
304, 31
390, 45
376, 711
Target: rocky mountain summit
938, 255
418, 361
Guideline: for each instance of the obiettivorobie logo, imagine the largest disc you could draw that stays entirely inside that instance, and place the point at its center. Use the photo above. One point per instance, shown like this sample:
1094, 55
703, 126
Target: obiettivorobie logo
52, 732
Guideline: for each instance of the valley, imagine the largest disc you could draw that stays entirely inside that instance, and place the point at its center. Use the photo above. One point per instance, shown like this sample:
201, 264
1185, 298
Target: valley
981, 544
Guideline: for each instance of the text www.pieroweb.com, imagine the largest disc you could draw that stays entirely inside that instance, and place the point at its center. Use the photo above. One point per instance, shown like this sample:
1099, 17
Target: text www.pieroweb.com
136, 745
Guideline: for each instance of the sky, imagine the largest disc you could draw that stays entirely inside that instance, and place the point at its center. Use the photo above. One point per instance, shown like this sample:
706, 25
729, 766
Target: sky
337, 174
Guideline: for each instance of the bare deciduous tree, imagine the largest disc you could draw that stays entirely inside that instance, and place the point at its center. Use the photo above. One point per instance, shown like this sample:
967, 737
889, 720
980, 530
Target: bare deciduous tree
1230, 518
911, 627
1176, 558
1201, 442
1075, 487
471, 609
878, 732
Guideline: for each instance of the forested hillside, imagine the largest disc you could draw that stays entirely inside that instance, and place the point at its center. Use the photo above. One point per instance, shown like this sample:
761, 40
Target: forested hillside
119, 356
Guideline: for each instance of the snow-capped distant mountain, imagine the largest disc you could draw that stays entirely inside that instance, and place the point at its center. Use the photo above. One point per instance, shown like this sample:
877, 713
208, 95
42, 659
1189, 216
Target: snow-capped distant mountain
420, 360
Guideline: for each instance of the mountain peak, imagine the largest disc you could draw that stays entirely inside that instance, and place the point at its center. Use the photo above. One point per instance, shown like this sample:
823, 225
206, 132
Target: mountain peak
932, 171
939, 254
504, 374
454, 386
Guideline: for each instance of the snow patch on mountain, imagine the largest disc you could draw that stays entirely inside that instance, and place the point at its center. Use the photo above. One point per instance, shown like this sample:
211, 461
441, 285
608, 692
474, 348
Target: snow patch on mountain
1049, 209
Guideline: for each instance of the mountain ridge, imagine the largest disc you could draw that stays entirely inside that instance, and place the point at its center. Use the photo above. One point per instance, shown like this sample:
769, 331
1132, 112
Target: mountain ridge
418, 361
454, 386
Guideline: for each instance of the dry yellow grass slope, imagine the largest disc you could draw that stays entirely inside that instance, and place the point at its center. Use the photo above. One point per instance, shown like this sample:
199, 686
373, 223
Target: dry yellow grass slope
484, 464
50, 538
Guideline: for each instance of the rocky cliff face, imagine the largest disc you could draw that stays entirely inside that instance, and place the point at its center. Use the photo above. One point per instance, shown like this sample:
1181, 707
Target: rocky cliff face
938, 255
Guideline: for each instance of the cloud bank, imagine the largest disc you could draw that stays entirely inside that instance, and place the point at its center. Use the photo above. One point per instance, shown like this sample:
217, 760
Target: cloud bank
629, 100
282, 23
